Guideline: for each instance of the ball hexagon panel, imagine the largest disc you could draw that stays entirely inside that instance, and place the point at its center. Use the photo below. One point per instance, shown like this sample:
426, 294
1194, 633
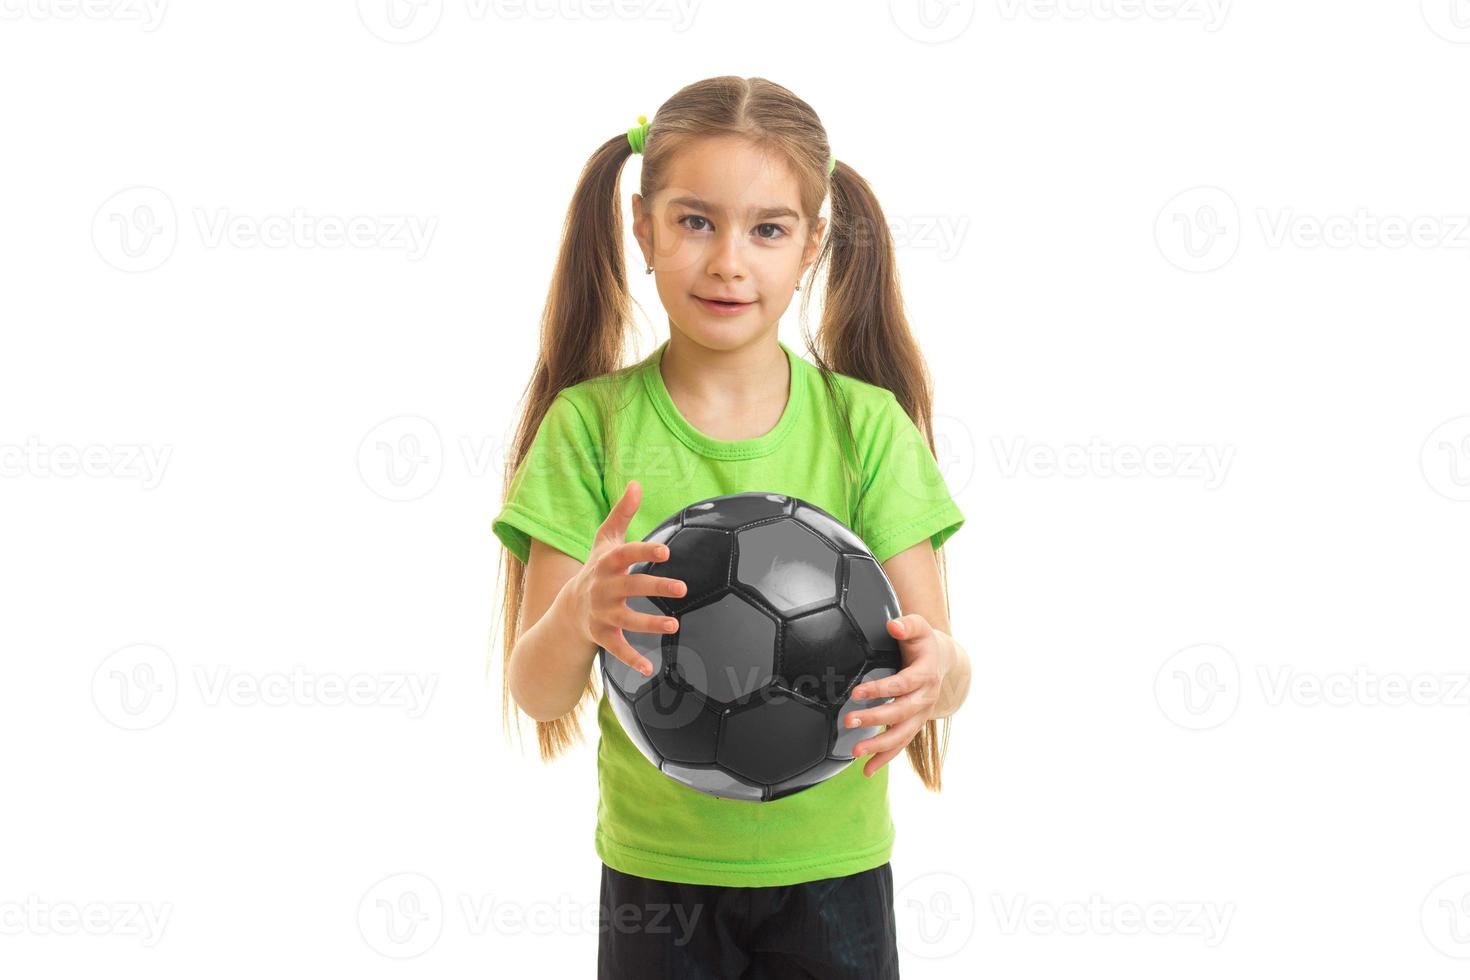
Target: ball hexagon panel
774, 737
714, 781
650, 645
830, 527
871, 602
821, 653
678, 724
787, 565
736, 510
848, 737
700, 558
731, 644
823, 770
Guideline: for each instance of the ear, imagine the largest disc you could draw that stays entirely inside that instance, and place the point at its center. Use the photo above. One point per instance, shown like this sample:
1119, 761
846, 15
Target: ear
641, 229
814, 243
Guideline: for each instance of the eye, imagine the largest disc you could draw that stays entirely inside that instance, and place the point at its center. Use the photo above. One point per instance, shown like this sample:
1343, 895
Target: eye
693, 217
780, 231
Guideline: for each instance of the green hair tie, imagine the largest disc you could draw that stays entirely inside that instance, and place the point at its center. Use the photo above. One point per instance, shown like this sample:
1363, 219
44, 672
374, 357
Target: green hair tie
638, 135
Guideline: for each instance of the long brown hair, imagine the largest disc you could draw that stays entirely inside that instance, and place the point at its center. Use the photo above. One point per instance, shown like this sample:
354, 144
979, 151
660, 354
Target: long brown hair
587, 320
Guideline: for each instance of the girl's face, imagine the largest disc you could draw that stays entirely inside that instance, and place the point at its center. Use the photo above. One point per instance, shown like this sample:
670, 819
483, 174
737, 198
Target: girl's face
727, 227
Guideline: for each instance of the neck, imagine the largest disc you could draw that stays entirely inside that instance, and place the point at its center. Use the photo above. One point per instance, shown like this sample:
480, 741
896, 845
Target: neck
753, 374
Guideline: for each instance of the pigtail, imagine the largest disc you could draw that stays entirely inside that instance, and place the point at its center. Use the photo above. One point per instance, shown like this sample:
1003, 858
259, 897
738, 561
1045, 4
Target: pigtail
865, 334
583, 327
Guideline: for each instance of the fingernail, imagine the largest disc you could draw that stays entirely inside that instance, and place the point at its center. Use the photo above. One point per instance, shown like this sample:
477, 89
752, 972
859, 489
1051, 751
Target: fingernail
899, 625
662, 553
854, 721
671, 625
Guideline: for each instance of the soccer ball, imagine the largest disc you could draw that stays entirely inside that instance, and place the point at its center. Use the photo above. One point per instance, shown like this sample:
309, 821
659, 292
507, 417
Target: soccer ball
785, 614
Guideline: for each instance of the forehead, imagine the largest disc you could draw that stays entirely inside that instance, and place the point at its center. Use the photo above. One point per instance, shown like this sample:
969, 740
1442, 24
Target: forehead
731, 174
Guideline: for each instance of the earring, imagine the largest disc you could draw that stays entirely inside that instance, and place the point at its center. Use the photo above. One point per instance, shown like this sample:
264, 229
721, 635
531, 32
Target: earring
798, 287
649, 270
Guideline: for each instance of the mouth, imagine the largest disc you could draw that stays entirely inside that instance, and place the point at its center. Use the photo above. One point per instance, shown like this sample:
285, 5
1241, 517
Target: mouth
724, 305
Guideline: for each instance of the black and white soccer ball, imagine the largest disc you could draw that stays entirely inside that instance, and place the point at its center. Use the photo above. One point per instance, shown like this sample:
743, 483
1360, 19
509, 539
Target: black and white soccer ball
785, 613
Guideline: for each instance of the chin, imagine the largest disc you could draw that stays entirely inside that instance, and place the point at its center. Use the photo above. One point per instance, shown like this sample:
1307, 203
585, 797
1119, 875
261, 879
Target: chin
724, 336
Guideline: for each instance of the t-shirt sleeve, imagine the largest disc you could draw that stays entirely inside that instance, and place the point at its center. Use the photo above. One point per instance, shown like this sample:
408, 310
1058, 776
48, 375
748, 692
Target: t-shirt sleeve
556, 495
905, 498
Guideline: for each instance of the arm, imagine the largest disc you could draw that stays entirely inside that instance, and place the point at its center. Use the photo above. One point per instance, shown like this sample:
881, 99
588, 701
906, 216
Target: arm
914, 574
935, 678
551, 661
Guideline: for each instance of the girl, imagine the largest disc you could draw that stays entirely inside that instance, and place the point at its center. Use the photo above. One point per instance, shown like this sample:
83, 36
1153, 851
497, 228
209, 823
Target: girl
734, 173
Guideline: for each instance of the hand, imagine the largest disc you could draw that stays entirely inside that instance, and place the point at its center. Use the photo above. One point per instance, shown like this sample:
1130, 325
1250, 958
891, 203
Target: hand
914, 690
597, 595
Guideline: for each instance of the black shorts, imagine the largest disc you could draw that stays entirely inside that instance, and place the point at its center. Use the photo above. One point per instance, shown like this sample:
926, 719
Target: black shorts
830, 928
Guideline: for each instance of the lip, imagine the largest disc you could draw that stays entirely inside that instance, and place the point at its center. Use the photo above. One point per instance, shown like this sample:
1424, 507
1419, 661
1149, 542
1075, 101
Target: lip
724, 309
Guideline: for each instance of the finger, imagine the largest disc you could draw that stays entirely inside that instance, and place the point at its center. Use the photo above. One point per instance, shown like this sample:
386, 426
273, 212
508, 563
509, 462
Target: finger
896, 737
892, 713
615, 643
879, 761
632, 552
640, 584
637, 622
910, 626
614, 526
910, 679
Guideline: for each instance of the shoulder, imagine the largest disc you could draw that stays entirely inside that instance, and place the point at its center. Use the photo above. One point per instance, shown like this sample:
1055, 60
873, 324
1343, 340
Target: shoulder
867, 405
592, 399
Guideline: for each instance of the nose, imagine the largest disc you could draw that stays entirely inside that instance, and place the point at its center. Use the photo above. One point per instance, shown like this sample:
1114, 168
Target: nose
726, 259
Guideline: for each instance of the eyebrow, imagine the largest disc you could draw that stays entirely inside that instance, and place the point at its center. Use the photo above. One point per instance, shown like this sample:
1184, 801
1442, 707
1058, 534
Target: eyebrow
766, 212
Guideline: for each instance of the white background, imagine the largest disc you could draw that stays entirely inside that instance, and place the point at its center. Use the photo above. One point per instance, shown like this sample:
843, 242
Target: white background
1217, 725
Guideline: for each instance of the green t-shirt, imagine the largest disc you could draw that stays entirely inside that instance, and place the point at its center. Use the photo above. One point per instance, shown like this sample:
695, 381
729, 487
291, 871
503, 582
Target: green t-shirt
647, 823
